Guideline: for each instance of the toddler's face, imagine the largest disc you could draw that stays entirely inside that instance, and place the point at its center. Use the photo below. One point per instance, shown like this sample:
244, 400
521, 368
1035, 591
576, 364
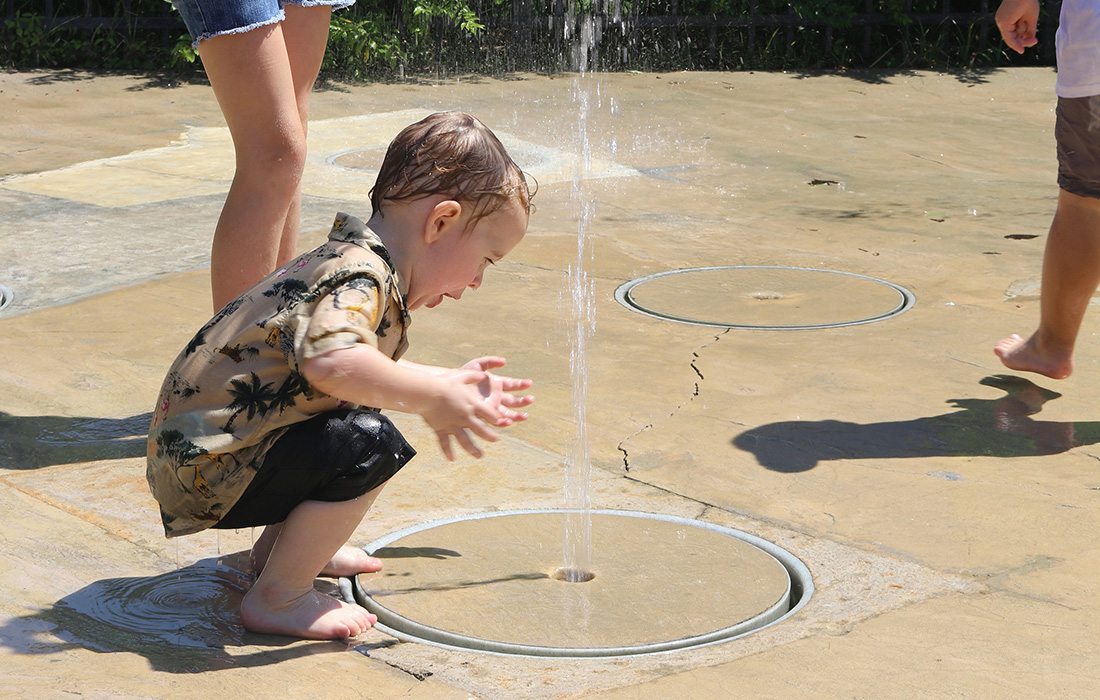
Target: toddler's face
459, 263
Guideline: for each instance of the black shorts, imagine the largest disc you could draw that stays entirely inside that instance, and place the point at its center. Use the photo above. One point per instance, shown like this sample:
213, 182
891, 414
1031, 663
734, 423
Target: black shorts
336, 456
1077, 132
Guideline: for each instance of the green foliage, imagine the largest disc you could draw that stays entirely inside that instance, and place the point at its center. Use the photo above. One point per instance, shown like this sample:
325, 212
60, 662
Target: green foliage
360, 47
27, 40
376, 38
458, 12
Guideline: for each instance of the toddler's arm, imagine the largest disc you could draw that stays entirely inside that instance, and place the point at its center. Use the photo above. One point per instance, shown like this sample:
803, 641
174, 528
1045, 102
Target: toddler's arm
452, 402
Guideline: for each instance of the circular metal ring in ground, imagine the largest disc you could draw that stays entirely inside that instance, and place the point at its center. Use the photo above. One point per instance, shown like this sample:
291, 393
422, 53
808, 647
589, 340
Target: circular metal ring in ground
765, 297
6, 297
488, 583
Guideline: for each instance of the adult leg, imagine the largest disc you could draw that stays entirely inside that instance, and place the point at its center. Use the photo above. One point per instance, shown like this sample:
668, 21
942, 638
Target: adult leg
1071, 274
283, 600
253, 82
305, 32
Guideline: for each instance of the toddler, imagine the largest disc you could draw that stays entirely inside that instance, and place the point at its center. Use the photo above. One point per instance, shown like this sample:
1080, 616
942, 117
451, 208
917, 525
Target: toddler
271, 415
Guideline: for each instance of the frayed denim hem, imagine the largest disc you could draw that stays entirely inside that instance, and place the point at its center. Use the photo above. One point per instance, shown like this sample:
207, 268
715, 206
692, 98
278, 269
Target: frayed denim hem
335, 4
239, 30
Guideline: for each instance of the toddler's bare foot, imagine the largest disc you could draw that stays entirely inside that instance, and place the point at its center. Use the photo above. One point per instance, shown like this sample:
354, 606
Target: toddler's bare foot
1026, 356
312, 615
351, 561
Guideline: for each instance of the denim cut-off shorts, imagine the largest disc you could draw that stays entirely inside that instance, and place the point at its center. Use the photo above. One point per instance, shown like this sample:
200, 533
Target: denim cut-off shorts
206, 19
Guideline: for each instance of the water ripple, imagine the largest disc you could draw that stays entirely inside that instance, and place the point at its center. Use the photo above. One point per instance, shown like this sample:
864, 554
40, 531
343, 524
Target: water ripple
196, 606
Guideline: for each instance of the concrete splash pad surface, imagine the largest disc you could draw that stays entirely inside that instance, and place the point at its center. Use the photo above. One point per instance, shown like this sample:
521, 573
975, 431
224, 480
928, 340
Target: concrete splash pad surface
930, 503
488, 583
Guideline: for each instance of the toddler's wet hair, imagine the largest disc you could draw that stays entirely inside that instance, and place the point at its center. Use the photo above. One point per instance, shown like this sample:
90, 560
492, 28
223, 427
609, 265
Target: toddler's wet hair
454, 154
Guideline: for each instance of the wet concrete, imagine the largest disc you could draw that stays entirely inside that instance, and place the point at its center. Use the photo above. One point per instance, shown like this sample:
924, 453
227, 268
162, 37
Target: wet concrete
943, 505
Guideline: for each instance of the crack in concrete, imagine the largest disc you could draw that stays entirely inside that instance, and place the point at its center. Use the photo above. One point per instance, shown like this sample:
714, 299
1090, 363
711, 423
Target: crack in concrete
366, 649
696, 391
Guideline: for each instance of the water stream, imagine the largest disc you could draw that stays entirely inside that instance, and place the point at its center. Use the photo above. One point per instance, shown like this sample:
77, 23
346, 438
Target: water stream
578, 476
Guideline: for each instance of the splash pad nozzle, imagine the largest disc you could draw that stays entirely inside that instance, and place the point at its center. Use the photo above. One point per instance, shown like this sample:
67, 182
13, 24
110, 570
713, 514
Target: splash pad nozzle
490, 582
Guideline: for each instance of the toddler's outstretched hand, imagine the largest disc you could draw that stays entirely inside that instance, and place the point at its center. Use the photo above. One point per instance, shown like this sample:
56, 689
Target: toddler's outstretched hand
473, 400
497, 389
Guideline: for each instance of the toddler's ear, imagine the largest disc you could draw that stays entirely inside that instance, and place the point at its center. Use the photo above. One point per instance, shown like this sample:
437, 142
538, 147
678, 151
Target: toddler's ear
443, 218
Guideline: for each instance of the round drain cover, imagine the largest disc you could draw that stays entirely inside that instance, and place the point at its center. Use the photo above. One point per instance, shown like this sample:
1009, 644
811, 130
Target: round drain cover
359, 158
495, 582
765, 297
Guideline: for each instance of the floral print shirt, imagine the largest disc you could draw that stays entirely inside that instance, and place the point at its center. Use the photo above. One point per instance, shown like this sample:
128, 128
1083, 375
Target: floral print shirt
238, 385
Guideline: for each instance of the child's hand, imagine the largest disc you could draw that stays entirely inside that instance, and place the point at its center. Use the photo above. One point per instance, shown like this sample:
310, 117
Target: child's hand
1017, 21
460, 410
472, 401
496, 390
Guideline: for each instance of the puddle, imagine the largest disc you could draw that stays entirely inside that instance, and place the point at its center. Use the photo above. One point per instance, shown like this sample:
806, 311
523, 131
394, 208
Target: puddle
195, 606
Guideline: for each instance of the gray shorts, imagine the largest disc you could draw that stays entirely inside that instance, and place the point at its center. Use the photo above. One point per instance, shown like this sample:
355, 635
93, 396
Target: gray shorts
1077, 132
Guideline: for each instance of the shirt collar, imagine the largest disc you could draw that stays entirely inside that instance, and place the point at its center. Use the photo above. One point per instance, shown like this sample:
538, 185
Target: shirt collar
350, 229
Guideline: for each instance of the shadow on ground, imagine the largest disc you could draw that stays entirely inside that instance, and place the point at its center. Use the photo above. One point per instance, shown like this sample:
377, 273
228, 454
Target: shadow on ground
31, 442
1000, 427
182, 621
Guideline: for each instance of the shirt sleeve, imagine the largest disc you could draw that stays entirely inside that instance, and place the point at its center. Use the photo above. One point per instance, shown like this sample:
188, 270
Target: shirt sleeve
345, 317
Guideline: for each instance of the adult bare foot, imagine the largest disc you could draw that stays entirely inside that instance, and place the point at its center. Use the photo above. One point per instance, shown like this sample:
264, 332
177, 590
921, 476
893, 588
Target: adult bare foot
312, 615
1027, 356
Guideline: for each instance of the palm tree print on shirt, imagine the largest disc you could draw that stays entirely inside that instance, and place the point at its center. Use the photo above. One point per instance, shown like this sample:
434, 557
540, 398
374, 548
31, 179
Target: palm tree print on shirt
200, 338
238, 352
293, 385
249, 397
289, 291
172, 444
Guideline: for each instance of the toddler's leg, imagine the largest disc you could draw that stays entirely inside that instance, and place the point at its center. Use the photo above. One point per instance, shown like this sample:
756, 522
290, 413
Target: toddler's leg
1071, 273
283, 600
348, 560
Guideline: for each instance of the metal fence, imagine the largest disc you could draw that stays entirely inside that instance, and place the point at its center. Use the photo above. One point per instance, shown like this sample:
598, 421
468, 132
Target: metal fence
125, 17
643, 34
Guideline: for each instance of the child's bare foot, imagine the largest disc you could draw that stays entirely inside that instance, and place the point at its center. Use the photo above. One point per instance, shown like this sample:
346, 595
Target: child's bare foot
312, 615
351, 561
1026, 356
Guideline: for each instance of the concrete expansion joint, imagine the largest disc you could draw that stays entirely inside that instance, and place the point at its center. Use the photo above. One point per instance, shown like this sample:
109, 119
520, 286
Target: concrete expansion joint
1033, 598
78, 514
366, 649
532, 266
758, 517
418, 675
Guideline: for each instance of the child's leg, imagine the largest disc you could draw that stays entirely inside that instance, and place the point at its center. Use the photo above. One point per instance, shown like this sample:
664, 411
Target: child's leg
255, 81
1071, 273
348, 560
283, 600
